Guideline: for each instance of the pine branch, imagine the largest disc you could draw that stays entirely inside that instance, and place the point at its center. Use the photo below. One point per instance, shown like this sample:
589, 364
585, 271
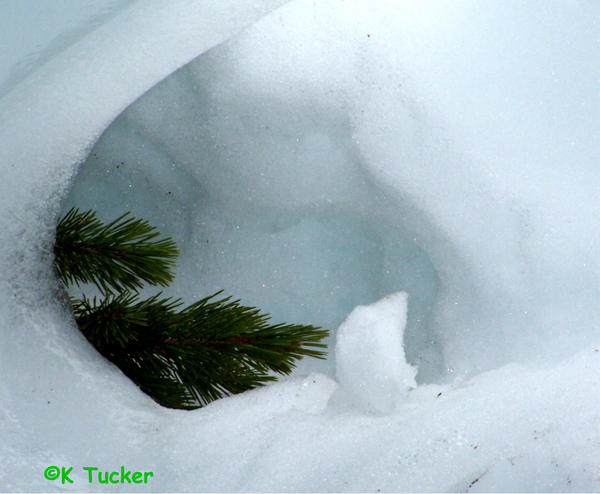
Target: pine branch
189, 357
117, 256
183, 358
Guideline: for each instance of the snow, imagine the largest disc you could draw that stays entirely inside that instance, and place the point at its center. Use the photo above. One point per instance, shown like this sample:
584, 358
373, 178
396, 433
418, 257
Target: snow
370, 363
40, 29
312, 158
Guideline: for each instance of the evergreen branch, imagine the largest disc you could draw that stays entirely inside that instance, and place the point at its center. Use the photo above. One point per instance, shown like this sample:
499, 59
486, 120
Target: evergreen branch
118, 255
182, 358
189, 357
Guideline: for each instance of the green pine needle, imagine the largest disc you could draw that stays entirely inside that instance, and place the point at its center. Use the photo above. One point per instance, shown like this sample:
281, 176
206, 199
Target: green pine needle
117, 256
181, 357
187, 358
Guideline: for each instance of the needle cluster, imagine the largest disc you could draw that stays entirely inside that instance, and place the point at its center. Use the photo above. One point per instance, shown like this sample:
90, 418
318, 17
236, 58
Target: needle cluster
183, 357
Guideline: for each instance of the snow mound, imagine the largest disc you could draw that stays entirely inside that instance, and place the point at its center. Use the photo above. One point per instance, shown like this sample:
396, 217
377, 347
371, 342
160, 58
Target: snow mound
369, 352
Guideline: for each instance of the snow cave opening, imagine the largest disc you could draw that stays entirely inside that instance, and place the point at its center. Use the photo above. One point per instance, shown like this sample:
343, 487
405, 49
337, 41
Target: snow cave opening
267, 199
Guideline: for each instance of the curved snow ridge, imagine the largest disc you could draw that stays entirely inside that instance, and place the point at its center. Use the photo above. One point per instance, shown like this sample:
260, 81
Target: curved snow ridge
45, 31
54, 116
49, 122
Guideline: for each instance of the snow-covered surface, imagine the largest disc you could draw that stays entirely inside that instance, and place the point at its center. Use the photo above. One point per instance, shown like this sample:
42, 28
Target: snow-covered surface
33, 31
342, 150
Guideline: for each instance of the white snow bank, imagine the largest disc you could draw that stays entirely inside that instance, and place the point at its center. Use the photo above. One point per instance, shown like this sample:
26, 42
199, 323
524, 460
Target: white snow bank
483, 123
57, 396
34, 31
370, 363
477, 120
513, 429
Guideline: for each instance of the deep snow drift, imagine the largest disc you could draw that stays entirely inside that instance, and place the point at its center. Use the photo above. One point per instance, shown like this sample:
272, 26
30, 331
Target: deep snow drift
330, 154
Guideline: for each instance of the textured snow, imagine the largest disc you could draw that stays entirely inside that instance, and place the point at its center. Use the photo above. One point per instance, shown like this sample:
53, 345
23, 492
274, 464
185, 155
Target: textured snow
34, 31
327, 155
285, 218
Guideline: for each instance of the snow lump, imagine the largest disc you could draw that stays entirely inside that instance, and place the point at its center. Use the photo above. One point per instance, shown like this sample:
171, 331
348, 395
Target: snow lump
370, 360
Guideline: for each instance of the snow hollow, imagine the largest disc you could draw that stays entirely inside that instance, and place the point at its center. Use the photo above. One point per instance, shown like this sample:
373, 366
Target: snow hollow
267, 196
313, 158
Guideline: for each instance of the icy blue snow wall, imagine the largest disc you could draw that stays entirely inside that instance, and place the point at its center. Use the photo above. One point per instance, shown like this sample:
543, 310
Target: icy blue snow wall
268, 198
